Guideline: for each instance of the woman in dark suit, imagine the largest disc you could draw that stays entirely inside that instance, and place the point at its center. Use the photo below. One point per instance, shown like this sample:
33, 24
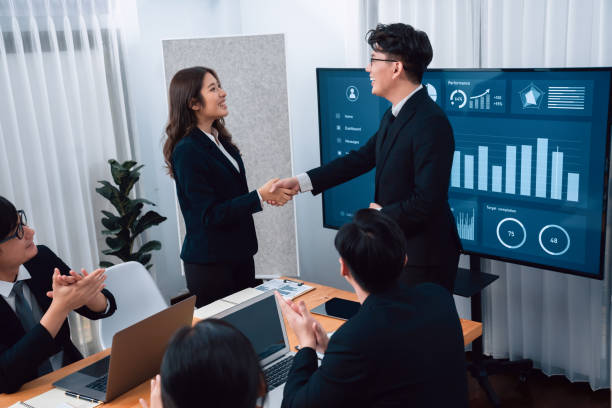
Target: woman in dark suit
212, 190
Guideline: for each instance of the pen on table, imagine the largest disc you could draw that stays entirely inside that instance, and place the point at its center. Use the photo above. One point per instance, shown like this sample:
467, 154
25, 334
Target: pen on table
319, 355
25, 404
77, 396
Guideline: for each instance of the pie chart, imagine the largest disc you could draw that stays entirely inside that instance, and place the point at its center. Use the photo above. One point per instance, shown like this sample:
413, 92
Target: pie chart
431, 90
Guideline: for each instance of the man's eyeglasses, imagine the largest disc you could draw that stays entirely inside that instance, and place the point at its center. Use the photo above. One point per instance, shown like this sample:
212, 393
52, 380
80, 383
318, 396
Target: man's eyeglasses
372, 59
23, 221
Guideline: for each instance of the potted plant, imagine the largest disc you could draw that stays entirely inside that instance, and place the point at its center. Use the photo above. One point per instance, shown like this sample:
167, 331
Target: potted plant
124, 227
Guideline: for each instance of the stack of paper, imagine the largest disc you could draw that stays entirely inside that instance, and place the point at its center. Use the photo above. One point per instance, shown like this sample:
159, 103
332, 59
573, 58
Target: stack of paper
221, 305
55, 398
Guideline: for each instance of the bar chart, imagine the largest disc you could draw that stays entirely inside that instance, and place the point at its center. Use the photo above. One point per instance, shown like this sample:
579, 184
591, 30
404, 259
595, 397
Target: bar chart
549, 180
466, 221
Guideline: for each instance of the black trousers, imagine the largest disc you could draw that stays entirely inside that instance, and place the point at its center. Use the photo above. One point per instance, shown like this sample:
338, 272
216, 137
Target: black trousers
210, 282
443, 274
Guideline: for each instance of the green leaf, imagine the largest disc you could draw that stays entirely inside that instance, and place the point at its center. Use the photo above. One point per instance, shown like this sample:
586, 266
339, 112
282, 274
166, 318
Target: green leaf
150, 246
109, 214
116, 243
128, 164
119, 173
144, 258
111, 232
112, 224
130, 178
143, 201
112, 194
148, 220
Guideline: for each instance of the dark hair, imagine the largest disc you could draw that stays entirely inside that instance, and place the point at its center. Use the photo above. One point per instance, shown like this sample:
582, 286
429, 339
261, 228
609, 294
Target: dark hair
410, 46
8, 217
374, 248
185, 90
213, 362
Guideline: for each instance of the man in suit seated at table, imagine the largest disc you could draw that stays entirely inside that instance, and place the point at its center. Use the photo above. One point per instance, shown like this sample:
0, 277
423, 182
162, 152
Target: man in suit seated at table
404, 347
37, 292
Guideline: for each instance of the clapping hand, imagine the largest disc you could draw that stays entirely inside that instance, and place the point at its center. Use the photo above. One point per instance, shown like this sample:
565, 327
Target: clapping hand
87, 287
155, 397
309, 331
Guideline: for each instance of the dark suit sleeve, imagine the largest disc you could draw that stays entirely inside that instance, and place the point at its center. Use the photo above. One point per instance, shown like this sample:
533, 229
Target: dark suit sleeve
345, 168
340, 381
433, 156
19, 362
56, 262
190, 172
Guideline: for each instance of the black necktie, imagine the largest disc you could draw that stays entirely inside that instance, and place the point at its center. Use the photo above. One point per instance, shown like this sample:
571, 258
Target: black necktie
387, 129
26, 316
22, 308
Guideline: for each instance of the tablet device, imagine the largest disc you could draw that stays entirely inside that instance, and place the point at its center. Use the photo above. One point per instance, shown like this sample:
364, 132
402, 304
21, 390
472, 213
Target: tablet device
338, 308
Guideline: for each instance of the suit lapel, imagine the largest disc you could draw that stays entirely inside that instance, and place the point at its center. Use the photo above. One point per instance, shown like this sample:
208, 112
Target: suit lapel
10, 322
217, 154
394, 130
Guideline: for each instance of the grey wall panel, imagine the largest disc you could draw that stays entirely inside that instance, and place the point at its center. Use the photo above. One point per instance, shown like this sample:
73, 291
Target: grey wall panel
252, 71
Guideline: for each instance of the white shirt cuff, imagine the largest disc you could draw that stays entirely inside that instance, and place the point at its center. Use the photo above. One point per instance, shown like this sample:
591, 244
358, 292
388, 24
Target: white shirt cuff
304, 181
260, 199
108, 304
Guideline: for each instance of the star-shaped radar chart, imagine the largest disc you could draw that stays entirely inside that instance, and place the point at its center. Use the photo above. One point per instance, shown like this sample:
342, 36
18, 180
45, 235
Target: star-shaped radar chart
531, 96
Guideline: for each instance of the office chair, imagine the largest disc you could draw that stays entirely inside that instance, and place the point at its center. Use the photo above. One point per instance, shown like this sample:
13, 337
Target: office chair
137, 298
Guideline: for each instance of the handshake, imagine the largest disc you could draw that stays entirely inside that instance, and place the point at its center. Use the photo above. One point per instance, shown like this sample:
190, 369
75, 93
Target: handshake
278, 192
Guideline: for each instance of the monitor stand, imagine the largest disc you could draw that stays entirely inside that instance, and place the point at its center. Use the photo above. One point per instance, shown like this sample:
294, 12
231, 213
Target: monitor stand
470, 283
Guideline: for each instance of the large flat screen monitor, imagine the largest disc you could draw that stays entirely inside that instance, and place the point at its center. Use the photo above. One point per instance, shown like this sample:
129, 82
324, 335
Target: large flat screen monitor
530, 169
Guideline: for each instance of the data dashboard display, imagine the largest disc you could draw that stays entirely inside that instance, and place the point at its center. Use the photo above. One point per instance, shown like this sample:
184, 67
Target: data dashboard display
529, 177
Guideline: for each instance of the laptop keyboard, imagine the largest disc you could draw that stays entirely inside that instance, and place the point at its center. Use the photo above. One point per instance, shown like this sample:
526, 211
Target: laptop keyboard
99, 384
277, 374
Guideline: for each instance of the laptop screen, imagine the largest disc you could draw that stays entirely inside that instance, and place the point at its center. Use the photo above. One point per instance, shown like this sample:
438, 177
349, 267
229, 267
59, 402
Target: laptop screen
261, 324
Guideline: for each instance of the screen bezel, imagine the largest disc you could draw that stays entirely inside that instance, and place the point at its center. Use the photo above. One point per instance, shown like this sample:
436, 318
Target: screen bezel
602, 254
280, 353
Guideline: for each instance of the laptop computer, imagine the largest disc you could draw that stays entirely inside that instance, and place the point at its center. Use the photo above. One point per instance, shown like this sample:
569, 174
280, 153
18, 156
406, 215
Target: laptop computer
260, 319
136, 355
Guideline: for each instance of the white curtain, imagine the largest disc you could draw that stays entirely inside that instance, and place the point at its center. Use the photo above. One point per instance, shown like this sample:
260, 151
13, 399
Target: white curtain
559, 321
62, 116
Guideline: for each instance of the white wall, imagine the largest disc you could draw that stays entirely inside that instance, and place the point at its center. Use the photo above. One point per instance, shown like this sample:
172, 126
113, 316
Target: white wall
147, 25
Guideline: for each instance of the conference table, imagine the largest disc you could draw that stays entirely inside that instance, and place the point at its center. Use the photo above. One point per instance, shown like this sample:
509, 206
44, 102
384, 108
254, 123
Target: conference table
471, 331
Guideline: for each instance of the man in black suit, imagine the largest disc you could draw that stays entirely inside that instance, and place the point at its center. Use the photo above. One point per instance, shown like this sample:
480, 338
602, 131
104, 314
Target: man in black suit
37, 291
412, 152
403, 348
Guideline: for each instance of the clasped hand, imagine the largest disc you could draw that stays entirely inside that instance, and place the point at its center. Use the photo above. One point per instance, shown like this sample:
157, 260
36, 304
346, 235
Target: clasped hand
76, 290
276, 194
309, 331
289, 185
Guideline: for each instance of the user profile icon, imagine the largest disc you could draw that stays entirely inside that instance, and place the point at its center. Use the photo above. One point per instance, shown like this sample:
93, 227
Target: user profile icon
352, 93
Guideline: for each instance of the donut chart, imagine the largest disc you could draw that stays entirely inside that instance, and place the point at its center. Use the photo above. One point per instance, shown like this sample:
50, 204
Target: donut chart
511, 233
554, 240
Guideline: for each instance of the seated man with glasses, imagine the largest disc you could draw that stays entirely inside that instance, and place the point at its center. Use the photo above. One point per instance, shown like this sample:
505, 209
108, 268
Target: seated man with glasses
37, 292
